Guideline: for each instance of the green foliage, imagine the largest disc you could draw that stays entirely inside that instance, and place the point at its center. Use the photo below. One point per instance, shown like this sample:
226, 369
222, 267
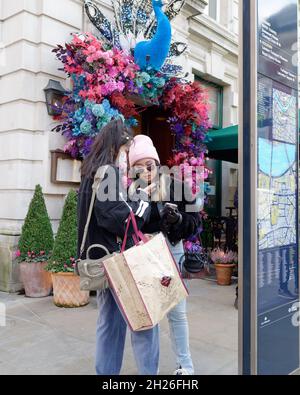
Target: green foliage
37, 234
65, 245
207, 235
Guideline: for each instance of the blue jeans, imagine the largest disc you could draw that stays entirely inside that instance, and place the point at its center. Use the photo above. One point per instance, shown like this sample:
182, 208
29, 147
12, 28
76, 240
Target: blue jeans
110, 341
179, 327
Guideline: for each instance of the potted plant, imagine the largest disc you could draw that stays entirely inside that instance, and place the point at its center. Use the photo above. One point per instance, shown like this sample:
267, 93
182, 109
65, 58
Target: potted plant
224, 263
66, 285
35, 245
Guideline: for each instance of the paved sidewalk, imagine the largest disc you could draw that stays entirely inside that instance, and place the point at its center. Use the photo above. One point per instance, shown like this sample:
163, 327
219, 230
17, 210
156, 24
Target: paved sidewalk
40, 338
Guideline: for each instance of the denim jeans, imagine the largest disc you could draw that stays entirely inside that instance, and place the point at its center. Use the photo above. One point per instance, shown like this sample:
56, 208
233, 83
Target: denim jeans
178, 323
110, 341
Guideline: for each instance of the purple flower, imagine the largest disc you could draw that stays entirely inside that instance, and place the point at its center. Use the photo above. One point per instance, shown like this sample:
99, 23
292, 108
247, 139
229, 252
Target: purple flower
87, 146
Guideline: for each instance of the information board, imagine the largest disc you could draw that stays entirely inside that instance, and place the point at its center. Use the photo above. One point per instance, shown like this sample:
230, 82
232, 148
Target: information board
277, 187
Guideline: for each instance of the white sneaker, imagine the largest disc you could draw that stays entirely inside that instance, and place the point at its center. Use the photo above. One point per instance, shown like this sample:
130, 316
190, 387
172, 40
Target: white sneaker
181, 372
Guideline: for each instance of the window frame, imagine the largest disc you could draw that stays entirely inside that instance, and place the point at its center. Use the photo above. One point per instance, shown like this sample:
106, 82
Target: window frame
208, 9
220, 99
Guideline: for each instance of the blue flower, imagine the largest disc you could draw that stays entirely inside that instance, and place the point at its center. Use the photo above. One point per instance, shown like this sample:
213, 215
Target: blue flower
89, 104
79, 115
131, 122
106, 105
76, 131
85, 127
139, 83
145, 77
158, 82
98, 110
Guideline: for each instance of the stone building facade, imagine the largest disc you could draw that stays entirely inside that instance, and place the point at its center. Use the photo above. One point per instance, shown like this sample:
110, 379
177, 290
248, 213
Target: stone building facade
29, 30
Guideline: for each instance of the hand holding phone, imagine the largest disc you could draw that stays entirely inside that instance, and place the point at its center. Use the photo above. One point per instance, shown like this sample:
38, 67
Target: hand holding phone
171, 213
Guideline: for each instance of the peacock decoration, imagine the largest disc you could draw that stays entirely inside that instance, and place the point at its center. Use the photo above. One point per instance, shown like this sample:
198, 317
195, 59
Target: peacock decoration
142, 27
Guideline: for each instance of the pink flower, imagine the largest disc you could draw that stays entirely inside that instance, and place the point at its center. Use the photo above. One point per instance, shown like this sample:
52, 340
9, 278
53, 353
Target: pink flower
194, 161
120, 86
92, 49
109, 62
17, 254
76, 40
90, 59
113, 72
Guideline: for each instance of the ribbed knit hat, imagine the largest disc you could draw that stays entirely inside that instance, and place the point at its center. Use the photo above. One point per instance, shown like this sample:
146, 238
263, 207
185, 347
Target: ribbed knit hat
142, 148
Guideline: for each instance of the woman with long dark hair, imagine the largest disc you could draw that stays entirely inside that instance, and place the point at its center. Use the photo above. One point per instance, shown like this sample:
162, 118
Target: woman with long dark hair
107, 227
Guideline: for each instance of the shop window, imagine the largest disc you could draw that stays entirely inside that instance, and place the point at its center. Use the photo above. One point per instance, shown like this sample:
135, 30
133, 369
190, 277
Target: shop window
215, 94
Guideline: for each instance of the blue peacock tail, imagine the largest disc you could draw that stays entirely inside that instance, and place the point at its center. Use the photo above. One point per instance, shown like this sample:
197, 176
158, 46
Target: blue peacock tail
107, 31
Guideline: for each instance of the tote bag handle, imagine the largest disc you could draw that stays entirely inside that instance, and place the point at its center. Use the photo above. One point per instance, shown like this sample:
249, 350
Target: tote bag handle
138, 235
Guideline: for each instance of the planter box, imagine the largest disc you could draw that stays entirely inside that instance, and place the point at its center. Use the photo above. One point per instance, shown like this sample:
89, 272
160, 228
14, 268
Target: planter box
224, 273
37, 282
66, 291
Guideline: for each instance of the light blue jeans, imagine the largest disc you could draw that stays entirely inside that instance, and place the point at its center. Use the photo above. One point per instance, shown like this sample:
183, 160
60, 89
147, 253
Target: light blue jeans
179, 327
110, 341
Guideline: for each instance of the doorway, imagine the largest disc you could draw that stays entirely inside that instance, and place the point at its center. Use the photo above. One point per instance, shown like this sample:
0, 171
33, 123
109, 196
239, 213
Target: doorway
153, 122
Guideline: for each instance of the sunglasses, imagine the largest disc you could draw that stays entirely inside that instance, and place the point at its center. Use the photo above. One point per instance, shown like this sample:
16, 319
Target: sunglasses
143, 169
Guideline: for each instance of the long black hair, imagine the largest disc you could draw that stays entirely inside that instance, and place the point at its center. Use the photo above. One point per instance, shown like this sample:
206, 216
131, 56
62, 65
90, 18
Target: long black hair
106, 147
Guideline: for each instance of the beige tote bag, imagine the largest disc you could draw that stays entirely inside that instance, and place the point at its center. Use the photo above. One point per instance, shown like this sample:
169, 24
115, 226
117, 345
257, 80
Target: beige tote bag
145, 279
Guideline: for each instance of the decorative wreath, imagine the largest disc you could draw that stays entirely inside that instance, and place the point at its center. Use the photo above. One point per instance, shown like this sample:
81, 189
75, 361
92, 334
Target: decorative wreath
107, 80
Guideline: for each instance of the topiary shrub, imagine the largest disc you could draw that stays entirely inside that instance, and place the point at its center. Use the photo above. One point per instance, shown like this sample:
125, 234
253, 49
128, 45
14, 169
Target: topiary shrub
36, 241
65, 244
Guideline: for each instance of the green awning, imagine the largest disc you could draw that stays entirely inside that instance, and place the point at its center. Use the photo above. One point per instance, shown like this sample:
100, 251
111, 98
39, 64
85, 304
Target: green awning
223, 139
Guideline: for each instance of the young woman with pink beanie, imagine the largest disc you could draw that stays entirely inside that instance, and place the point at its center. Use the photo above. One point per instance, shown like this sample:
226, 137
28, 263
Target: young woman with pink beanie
174, 222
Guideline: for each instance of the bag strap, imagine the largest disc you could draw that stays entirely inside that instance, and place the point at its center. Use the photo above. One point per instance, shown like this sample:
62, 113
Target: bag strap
138, 235
97, 180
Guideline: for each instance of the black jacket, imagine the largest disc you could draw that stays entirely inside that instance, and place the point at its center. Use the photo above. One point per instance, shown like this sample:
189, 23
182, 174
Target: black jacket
108, 221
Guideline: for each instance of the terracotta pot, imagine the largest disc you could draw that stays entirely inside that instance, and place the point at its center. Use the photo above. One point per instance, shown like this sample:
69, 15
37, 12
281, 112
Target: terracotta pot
66, 291
224, 273
37, 282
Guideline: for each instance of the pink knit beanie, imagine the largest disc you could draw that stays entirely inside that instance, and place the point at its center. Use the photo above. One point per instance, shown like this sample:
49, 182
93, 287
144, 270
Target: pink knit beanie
142, 148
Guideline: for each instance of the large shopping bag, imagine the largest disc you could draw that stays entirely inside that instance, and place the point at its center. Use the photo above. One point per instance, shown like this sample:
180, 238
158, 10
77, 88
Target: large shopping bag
145, 279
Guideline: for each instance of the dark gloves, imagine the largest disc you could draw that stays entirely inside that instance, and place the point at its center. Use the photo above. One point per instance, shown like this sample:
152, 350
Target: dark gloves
171, 215
181, 230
